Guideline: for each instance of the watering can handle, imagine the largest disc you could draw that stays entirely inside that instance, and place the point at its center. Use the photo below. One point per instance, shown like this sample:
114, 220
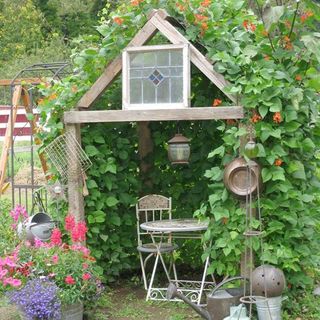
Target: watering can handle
226, 281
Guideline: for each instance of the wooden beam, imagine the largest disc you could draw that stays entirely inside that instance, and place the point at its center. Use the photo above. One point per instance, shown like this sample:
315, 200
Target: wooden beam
75, 181
197, 58
115, 66
8, 82
7, 139
207, 113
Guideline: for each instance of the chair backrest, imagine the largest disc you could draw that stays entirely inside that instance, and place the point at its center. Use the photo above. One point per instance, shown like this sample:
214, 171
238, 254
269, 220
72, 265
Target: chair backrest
150, 208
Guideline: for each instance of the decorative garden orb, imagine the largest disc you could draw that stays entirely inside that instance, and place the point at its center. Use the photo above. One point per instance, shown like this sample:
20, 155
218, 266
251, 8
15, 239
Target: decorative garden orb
251, 149
268, 281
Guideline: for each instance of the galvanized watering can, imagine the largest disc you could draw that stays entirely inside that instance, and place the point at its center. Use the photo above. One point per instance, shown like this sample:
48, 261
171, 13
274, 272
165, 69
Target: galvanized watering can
219, 300
37, 226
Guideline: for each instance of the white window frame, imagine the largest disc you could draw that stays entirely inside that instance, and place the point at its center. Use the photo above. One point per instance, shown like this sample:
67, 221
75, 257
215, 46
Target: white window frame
126, 105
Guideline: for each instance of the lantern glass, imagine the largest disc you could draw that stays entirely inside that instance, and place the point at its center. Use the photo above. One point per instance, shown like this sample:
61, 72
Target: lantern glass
179, 150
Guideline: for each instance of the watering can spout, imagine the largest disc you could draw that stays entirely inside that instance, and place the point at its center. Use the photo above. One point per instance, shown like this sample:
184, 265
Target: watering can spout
172, 292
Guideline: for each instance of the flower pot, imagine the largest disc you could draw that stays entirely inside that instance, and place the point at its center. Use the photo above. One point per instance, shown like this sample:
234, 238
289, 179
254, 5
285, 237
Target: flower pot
68, 312
72, 312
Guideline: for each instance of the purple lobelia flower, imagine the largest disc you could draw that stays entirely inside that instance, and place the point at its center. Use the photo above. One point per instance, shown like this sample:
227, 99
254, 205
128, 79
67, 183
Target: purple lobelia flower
38, 300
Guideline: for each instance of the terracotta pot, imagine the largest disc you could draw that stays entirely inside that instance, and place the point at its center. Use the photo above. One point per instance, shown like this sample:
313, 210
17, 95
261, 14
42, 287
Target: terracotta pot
236, 179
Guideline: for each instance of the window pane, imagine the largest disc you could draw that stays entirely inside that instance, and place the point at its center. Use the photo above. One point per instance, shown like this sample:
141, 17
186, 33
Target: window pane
176, 71
135, 91
176, 58
149, 92
136, 60
163, 58
176, 90
164, 71
135, 73
163, 92
149, 59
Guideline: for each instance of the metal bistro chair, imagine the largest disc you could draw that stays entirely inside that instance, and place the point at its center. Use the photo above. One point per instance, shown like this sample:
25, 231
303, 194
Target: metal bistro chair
154, 208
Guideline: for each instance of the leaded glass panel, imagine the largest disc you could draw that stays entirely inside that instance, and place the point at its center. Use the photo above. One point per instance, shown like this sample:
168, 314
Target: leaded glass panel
156, 77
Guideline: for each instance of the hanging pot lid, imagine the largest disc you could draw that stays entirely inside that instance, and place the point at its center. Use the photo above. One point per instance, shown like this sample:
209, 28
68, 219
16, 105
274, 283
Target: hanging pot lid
235, 177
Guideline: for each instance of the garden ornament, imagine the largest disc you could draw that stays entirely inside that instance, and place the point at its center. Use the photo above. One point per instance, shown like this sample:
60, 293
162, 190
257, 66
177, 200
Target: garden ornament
268, 281
251, 149
219, 300
57, 191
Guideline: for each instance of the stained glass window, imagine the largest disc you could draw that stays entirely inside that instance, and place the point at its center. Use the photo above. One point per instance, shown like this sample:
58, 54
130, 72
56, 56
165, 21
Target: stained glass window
155, 76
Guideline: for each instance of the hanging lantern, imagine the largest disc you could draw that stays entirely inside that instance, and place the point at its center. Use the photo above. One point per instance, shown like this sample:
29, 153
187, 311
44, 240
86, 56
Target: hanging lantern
251, 149
179, 149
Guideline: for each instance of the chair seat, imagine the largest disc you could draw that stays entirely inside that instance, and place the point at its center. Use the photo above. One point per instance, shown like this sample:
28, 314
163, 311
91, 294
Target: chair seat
152, 247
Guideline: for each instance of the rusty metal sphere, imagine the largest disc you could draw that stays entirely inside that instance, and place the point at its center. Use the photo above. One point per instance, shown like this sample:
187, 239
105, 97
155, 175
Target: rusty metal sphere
268, 281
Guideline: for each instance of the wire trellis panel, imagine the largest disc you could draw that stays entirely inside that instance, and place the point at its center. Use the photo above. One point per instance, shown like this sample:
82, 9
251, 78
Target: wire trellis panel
67, 156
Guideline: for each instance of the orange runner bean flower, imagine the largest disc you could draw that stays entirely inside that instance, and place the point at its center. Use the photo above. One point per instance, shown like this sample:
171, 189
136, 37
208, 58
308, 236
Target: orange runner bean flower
278, 162
255, 118
306, 15
277, 117
265, 33
216, 102
266, 57
180, 7
205, 3
135, 2
200, 18
298, 77
253, 27
118, 20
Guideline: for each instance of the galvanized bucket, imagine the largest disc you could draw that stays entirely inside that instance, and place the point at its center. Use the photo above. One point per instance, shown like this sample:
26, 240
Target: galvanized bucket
269, 308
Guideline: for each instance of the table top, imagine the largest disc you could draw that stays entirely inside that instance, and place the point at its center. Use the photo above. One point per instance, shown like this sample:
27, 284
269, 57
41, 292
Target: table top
175, 225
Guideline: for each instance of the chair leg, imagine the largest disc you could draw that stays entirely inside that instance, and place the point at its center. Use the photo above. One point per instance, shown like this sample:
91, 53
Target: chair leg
174, 268
152, 276
143, 271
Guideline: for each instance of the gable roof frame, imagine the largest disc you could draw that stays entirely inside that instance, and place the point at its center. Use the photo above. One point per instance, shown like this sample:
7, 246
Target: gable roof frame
158, 21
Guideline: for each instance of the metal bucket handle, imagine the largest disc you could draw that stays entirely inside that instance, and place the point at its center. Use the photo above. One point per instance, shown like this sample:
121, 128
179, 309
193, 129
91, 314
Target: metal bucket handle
222, 283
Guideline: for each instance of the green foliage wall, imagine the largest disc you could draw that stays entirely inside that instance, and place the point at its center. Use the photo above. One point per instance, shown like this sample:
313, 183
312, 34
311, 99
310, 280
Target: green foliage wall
273, 66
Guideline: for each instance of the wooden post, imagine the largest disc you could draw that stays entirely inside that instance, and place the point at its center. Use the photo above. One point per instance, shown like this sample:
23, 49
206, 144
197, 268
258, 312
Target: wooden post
145, 148
9, 131
75, 181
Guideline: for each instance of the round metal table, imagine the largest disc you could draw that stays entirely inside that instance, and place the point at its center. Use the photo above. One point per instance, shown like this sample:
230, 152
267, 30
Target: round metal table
185, 229
175, 225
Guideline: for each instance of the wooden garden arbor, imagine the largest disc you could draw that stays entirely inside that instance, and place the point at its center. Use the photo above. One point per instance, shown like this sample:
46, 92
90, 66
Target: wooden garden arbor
159, 21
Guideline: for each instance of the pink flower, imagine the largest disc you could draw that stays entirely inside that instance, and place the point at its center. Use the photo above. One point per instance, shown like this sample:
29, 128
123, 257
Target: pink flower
70, 222
86, 276
69, 280
3, 273
38, 243
13, 282
56, 237
55, 259
17, 212
9, 262
78, 233
77, 247
85, 266
51, 275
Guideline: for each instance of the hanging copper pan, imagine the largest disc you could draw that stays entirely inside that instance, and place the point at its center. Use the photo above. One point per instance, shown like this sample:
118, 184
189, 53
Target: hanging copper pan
236, 180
